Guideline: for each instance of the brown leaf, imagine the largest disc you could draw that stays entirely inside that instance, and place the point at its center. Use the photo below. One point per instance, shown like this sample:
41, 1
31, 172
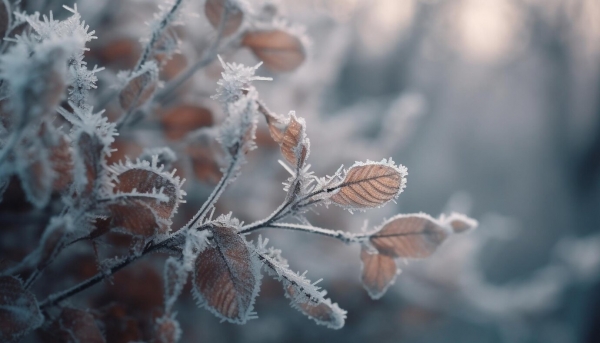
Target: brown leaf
62, 163
136, 218
19, 311
138, 90
177, 122
378, 272
88, 162
293, 142
144, 216
409, 236
279, 50
369, 185
214, 11
35, 172
324, 312
144, 181
76, 326
175, 277
226, 278
4, 17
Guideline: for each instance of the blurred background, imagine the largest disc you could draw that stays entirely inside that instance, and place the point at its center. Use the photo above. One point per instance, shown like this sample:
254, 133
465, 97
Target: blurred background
494, 108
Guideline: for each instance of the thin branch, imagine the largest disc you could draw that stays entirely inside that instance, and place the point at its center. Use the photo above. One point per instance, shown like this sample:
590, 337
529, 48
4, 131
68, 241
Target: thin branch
157, 33
56, 298
214, 196
346, 237
209, 56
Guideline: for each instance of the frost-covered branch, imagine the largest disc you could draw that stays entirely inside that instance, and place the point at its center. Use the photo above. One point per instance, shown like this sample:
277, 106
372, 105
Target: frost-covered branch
207, 57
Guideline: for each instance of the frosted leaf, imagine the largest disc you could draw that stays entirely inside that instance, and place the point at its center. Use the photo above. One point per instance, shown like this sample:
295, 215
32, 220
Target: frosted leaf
238, 132
459, 222
167, 330
35, 171
4, 17
134, 218
367, 185
305, 296
88, 164
281, 51
76, 326
175, 276
19, 311
226, 276
139, 87
37, 80
409, 236
291, 136
144, 198
323, 313
236, 80
214, 11
62, 163
147, 182
179, 121
378, 272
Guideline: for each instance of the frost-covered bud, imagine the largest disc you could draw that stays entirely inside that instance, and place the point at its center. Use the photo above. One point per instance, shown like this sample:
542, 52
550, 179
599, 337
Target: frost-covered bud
236, 80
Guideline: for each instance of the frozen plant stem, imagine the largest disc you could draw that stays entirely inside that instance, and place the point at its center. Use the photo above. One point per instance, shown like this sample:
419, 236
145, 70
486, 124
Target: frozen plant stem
213, 197
157, 33
56, 298
208, 57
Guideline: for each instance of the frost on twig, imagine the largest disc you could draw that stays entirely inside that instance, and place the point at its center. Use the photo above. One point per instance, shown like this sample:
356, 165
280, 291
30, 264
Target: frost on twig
305, 296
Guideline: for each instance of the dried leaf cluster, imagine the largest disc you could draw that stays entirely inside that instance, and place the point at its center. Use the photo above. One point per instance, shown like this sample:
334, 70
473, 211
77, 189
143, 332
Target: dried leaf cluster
63, 155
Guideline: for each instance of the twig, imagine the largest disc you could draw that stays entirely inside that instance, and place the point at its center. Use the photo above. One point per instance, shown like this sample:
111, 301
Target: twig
346, 237
209, 55
157, 33
56, 298
213, 197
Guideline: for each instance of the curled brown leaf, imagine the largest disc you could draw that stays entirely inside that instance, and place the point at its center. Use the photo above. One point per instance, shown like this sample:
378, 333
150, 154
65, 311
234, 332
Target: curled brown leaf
323, 312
